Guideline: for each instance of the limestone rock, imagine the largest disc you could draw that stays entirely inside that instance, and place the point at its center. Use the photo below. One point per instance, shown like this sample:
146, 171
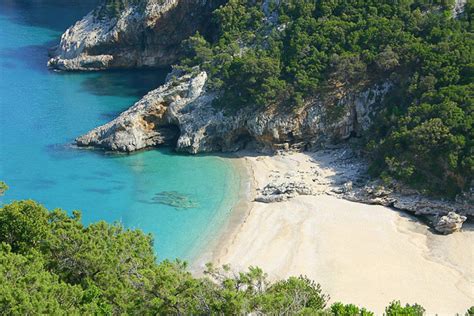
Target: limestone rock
458, 7
145, 33
277, 192
450, 223
151, 121
411, 201
183, 106
345, 188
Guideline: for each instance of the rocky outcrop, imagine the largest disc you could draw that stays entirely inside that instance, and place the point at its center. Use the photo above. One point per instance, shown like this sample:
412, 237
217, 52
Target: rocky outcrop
144, 33
450, 223
340, 172
374, 192
278, 192
151, 121
458, 7
181, 113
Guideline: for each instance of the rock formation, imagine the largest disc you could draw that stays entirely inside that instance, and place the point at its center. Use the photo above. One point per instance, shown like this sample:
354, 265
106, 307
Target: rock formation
278, 192
340, 172
450, 223
151, 121
182, 110
374, 192
141, 34
458, 7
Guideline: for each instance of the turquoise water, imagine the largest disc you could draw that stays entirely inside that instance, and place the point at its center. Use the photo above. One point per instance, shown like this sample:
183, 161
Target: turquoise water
41, 112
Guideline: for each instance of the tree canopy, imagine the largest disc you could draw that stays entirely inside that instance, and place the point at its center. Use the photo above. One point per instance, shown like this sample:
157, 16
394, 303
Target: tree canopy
50, 263
284, 53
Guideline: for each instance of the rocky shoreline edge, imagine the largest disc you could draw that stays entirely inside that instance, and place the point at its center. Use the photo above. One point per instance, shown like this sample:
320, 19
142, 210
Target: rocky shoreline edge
346, 177
181, 113
339, 242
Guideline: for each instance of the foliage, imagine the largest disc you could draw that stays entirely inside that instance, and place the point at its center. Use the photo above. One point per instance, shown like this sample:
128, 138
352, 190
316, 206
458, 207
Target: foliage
339, 309
28, 288
3, 187
470, 311
288, 52
52, 264
396, 309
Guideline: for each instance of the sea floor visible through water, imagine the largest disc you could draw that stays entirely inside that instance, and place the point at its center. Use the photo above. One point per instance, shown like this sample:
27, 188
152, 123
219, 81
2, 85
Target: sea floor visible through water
41, 112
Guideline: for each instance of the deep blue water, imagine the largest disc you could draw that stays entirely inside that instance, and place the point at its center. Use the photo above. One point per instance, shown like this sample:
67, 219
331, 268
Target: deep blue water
41, 112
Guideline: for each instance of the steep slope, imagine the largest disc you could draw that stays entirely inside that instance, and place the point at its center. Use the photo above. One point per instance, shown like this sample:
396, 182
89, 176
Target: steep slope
129, 34
184, 107
294, 75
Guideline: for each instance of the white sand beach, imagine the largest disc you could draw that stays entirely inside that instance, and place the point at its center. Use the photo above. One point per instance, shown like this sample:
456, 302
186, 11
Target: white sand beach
362, 254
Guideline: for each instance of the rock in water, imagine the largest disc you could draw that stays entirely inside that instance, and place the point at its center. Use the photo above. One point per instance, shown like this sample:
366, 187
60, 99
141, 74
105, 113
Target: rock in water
175, 199
181, 113
142, 33
151, 121
450, 223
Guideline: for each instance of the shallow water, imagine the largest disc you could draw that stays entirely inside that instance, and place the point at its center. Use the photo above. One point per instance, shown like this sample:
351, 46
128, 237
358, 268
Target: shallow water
41, 112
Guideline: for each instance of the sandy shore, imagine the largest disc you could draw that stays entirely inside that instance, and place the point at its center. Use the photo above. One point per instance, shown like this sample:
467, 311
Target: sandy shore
361, 254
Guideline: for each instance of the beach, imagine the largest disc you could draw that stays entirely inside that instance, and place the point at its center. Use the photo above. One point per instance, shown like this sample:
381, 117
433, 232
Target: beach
362, 254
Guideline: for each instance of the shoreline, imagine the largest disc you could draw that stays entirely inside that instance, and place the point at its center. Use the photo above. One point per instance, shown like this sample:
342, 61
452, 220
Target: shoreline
363, 254
238, 213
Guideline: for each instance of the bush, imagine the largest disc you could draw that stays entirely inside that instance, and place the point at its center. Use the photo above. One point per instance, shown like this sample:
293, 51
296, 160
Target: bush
396, 309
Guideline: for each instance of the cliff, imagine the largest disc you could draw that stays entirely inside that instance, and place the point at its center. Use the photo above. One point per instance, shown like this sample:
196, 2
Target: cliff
181, 114
130, 34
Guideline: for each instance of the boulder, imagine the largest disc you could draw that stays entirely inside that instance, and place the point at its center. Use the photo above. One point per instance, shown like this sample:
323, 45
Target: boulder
278, 192
450, 223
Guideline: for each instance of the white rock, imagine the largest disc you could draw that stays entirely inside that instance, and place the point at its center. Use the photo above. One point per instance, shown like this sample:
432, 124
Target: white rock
450, 223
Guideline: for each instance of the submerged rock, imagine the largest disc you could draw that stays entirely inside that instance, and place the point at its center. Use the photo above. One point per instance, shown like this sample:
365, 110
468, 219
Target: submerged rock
450, 223
174, 199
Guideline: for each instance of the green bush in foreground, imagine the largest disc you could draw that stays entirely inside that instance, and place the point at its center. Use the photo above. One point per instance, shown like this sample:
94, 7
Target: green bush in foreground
339, 309
470, 311
50, 263
396, 309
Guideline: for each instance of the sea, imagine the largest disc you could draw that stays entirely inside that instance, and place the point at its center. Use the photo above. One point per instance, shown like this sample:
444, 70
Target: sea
182, 200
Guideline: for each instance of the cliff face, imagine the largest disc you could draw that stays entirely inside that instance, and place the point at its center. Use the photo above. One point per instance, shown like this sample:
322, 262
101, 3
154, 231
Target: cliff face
141, 34
181, 113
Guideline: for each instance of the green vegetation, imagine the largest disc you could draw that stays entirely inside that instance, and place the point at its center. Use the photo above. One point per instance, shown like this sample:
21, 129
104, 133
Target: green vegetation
396, 309
470, 311
52, 264
308, 48
3, 187
340, 309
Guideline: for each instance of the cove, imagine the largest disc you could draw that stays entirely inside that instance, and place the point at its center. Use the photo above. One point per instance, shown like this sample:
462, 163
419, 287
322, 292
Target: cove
181, 200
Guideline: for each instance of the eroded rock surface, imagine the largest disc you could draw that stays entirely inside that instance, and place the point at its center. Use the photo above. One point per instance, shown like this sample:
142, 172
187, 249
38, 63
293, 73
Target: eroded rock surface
151, 121
342, 173
278, 192
141, 34
450, 223
183, 110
